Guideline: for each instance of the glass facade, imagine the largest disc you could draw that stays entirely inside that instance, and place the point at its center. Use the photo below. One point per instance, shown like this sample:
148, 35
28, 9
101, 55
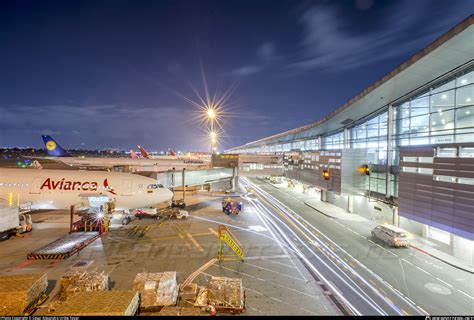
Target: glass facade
441, 114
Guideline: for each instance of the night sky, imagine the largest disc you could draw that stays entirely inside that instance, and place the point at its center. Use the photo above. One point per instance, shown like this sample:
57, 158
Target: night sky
114, 73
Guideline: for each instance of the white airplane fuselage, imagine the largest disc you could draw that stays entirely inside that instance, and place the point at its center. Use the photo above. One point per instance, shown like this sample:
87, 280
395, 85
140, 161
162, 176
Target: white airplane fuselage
143, 164
59, 189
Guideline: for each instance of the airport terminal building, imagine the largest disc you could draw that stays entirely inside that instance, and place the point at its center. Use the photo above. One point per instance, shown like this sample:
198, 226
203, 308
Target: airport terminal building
403, 147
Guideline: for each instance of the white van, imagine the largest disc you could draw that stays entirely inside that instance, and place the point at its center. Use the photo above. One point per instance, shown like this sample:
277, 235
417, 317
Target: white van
391, 235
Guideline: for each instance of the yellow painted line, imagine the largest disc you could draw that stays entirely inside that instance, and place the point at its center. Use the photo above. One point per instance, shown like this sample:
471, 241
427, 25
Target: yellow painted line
182, 237
201, 234
12, 256
196, 244
383, 291
161, 238
373, 283
214, 232
406, 313
388, 300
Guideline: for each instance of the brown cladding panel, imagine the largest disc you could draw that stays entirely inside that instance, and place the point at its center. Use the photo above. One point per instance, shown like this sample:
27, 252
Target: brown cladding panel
445, 204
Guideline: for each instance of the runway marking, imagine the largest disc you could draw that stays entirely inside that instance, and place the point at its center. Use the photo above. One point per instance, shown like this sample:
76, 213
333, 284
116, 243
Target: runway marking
182, 238
198, 246
11, 256
280, 301
283, 274
407, 261
214, 232
423, 270
267, 257
444, 282
472, 298
405, 312
201, 234
274, 283
283, 264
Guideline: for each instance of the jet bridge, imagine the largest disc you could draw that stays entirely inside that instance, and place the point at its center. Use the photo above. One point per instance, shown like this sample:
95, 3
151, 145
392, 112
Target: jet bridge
171, 179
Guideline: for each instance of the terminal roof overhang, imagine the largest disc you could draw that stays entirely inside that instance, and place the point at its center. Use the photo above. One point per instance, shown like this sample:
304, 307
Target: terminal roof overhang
453, 49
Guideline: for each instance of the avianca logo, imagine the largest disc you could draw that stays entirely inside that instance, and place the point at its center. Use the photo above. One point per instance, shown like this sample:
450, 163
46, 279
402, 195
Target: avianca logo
64, 184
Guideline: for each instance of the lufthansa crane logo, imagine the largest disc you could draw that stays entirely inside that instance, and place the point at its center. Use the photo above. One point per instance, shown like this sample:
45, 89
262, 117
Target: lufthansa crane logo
50, 145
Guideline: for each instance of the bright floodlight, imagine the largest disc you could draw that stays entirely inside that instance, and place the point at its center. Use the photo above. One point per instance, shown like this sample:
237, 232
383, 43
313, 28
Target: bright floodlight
211, 113
213, 137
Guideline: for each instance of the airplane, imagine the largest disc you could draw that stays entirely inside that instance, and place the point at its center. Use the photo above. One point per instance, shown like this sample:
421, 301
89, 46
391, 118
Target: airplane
133, 154
59, 189
57, 153
171, 156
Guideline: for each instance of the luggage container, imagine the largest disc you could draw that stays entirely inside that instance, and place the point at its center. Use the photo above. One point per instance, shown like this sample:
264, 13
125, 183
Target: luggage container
226, 294
78, 281
21, 294
156, 289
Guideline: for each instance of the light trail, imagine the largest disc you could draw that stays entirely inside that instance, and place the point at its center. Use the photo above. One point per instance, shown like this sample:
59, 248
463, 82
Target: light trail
327, 250
328, 283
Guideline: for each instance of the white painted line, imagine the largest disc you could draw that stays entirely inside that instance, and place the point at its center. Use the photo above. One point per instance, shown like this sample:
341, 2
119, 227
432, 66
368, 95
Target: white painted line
407, 261
268, 257
470, 297
444, 282
282, 264
269, 270
423, 270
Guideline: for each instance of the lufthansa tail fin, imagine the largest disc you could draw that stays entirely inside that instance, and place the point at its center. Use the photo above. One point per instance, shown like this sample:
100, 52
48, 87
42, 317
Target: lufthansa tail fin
144, 153
53, 148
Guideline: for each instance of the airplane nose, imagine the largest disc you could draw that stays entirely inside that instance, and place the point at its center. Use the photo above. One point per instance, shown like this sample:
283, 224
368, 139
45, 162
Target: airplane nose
169, 195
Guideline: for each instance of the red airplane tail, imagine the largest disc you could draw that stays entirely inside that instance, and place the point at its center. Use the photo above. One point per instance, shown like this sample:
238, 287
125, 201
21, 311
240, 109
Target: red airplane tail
144, 153
133, 154
171, 152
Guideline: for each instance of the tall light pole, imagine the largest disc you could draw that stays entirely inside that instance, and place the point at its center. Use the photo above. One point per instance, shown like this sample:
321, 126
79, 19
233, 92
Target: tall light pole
211, 115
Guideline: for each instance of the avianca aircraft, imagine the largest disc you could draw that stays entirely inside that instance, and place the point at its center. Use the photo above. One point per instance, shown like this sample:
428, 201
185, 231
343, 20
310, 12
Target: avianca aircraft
57, 153
59, 189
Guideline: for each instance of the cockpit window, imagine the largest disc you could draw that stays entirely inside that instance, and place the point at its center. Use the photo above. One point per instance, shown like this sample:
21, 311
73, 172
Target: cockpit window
154, 186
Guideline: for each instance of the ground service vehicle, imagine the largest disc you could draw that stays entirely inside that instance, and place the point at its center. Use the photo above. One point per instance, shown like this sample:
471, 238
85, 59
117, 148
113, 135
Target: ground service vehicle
12, 222
391, 235
229, 206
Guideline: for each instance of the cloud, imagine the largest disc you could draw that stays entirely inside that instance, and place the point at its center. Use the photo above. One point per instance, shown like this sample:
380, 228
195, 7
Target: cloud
246, 70
328, 42
266, 53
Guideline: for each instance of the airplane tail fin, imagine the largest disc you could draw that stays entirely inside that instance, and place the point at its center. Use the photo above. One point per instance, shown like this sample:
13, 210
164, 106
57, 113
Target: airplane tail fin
37, 165
171, 152
133, 154
53, 148
144, 153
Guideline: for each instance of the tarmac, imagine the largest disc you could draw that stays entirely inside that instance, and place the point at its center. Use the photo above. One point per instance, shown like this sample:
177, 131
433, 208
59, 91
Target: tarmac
275, 282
